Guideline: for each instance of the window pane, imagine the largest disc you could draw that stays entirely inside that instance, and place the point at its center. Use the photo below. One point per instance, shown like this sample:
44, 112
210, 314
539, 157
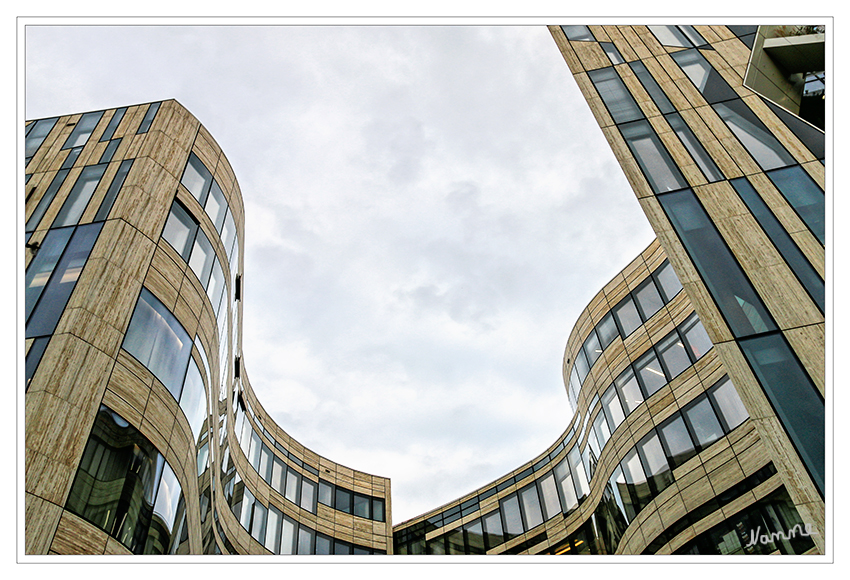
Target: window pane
159, 342
670, 36
202, 257
742, 308
703, 422
511, 519
180, 230
36, 134
493, 529
113, 124
193, 399
109, 151
578, 472
592, 348
726, 399
149, 116
613, 54
600, 427
325, 493
707, 80
342, 501
567, 489
636, 482
657, 165
45, 315
308, 495
83, 130
197, 178
652, 87
531, 506
216, 206
42, 265
607, 330
305, 540
655, 462
577, 32
323, 544
674, 435
79, 197
273, 523
278, 475
377, 509
582, 368
673, 354
668, 281
454, 541
804, 195
792, 394
112, 192
696, 337
549, 493
474, 537
293, 483
629, 391
648, 299
46, 200
757, 140
649, 373
627, 316
361, 505
615, 95
612, 408
287, 536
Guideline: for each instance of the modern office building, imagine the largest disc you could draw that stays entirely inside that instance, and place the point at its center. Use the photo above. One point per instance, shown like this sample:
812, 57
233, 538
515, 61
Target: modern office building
700, 416
696, 375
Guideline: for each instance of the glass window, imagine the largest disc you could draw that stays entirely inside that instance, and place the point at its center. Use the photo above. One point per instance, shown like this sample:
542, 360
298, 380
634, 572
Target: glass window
578, 472
287, 536
278, 475
193, 399
228, 236
323, 544
707, 80
581, 365
577, 32
756, 139
42, 265
615, 95
725, 398
636, 482
612, 408
361, 505
54, 297
649, 373
258, 522
549, 494
377, 509
654, 462
804, 195
703, 159
600, 427
613, 54
83, 130
342, 500
676, 440
741, 306
670, 36
46, 200
673, 355
658, 167
72, 157
159, 342
201, 260
273, 523
326, 491
620, 493
493, 529
627, 316
454, 541
216, 206
216, 285
648, 299
149, 116
703, 422
667, 281
628, 389
255, 451
474, 533
180, 230
266, 463
566, 488
305, 540
592, 348
694, 36
113, 124
79, 197
511, 518
531, 506
652, 87
696, 337
197, 178
293, 483
308, 495
109, 151
112, 192
36, 133
34, 354
792, 394
607, 330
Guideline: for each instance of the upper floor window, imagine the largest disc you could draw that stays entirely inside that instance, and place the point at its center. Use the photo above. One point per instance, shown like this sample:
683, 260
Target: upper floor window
83, 130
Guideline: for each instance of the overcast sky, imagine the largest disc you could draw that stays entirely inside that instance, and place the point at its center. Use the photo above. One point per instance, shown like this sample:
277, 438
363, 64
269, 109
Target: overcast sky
428, 210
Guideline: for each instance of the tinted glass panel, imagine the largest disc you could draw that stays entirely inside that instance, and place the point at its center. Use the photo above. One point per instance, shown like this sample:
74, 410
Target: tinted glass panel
216, 206
673, 354
577, 32
650, 373
657, 165
655, 462
531, 506
703, 422
648, 299
613, 54
308, 495
707, 80
695, 148
629, 391
670, 36
343, 500
149, 116
511, 519
193, 399
493, 529
361, 505
202, 257
83, 130
627, 316
607, 330
696, 337
614, 94
197, 178
42, 265
114, 188
46, 200
727, 402
293, 483
36, 133
474, 537
677, 440
668, 281
652, 87
113, 124
612, 408
592, 348
758, 141
79, 197
549, 493
804, 195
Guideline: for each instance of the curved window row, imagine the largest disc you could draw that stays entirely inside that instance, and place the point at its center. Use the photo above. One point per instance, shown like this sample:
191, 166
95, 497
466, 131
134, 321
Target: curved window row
627, 316
157, 340
125, 487
645, 471
296, 487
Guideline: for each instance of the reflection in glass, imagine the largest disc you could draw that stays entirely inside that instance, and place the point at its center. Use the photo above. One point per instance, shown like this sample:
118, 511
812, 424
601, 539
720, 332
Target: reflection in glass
658, 167
627, 316
726, 400
703, 423
804, 195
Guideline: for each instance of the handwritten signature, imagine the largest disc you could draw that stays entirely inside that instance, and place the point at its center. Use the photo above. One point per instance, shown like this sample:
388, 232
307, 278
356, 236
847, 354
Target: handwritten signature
756, 537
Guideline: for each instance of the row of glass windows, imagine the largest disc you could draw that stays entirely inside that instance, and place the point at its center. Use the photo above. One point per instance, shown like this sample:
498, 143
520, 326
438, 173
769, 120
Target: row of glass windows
157, 340
676, 351
82, 191
627, 316
643, 473
125, 487
298, 488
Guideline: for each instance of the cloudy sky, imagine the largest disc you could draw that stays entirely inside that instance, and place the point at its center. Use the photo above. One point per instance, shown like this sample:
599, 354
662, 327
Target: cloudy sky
428, 210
